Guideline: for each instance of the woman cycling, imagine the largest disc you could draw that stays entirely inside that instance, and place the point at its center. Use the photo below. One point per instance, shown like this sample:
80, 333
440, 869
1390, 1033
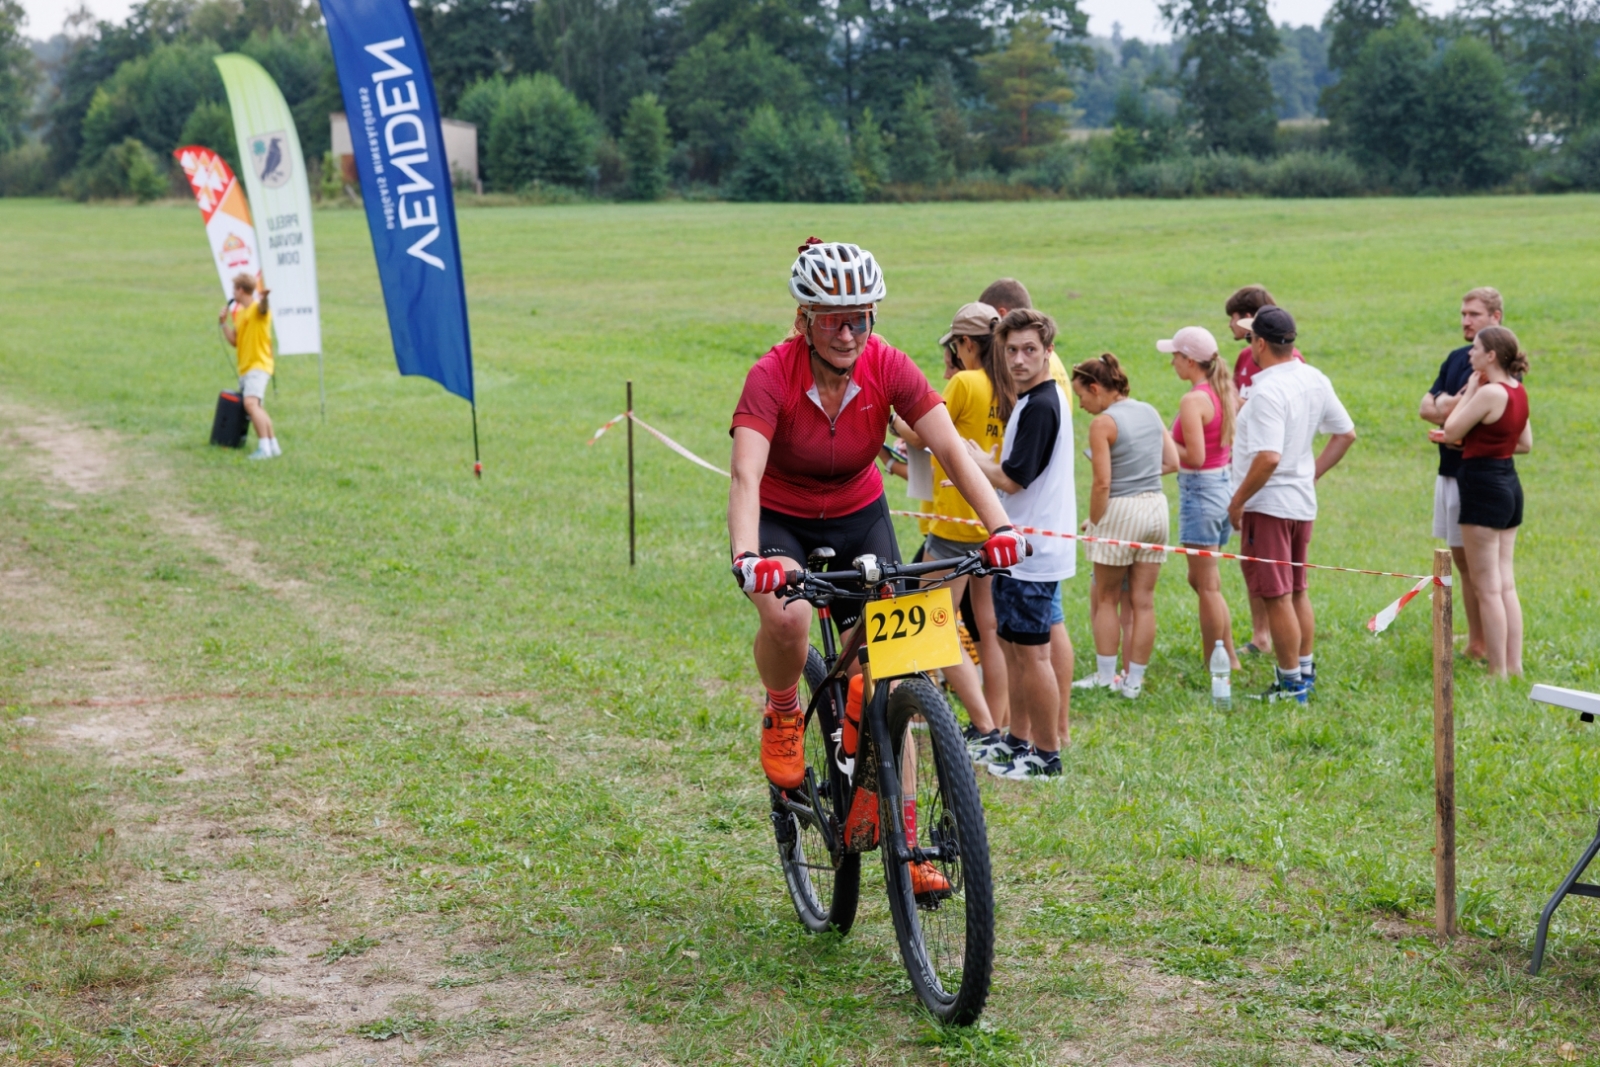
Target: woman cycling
1203, 434
1490, 423
1130, 449
979, 398
807, 430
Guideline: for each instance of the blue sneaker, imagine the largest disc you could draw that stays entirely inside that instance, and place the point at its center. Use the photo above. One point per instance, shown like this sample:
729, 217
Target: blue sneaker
1281, 690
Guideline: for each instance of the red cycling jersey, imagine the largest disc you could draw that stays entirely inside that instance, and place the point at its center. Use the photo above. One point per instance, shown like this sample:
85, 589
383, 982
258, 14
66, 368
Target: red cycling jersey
818, 468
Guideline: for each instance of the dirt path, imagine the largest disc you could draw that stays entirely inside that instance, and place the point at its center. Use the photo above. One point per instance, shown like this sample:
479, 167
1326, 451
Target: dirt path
313, 951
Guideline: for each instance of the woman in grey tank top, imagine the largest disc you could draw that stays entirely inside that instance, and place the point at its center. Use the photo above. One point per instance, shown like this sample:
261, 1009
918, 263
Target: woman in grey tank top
1129, 449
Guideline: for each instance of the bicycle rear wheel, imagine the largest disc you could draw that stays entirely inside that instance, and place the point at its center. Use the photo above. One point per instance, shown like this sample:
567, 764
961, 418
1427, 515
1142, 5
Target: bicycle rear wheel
824, 896
946, 937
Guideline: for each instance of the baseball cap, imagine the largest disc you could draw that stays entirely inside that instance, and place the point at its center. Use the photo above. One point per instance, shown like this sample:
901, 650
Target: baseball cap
1272, 324
973, 320
1195, 342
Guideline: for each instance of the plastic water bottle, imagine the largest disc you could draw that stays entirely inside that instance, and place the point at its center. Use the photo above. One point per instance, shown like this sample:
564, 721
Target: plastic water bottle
1221, 683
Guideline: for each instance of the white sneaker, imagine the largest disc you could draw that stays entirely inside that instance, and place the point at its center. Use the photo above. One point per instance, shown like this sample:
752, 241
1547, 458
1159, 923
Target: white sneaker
1027, 766
262, 452
1094, 682
1131, 689
277, 449
993, 754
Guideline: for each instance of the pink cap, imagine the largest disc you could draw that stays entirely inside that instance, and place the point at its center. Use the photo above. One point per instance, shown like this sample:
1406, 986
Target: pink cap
1195, 342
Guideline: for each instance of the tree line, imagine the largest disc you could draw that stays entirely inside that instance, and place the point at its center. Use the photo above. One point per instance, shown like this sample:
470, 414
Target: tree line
860, 99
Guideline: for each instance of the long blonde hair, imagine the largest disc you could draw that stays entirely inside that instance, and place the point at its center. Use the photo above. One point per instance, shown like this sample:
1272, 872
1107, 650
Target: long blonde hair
1221, 381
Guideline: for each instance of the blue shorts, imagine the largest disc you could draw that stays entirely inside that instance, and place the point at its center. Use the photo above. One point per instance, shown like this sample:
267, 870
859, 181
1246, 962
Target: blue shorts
1023, 611
1203, 499
1056, 614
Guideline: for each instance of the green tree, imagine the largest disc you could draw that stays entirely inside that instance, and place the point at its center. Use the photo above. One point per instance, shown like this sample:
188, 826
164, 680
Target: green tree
800, 158
95, 52
869, 154
1349, 23
210, 124
541, 133
919, 156
19, 73
763, 168
714, 89
128, 169
1383, 110
604, 51
1300, 72
1227, 86
471, 40
646, 143
1472, 136
1027, 86
1561, 57
150, 98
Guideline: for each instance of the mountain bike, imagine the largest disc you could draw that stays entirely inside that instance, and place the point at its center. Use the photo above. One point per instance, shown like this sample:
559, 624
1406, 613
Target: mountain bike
908, 759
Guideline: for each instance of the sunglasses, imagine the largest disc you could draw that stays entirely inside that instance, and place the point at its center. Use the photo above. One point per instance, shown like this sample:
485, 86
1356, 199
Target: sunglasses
860, 322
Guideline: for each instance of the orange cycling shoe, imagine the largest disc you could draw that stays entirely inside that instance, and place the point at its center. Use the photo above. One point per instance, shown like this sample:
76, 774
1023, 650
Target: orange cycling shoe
926, 880
783, 754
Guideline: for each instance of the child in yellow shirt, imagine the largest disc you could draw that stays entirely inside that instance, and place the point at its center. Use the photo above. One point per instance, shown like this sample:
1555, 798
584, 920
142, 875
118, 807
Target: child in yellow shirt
250, 329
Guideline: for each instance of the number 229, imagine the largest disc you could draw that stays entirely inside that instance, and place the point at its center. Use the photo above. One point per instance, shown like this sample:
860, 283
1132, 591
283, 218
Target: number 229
916, 617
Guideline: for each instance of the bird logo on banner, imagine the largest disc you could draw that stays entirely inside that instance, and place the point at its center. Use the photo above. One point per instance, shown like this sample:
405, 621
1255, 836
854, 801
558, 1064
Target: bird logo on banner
271, 161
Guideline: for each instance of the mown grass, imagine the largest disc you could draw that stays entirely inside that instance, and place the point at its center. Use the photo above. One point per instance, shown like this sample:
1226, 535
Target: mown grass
1249, 887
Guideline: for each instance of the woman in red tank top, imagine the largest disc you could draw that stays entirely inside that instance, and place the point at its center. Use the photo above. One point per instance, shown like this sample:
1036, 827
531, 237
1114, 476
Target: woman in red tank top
1203, 433
1490, 424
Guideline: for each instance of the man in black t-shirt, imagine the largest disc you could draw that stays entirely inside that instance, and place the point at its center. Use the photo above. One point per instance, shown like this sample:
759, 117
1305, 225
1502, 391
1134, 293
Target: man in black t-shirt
1480, 308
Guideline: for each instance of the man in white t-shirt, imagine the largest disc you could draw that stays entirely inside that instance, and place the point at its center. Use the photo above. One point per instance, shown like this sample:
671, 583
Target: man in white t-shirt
1034, 477
1275, 503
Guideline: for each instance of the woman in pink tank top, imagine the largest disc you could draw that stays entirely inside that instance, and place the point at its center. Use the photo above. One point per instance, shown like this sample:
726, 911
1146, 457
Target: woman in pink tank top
1203, 433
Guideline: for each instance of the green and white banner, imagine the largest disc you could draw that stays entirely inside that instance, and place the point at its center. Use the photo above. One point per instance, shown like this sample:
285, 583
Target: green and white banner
274, 173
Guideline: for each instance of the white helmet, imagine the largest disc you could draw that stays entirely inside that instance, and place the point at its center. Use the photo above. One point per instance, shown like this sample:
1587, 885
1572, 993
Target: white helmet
835, 274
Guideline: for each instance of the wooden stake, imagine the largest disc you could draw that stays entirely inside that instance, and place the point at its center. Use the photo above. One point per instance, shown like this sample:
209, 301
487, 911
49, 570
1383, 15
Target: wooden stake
629, 410
1444, 748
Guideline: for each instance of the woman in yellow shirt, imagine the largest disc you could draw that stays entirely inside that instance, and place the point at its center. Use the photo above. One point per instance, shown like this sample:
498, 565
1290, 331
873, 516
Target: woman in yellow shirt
979, 397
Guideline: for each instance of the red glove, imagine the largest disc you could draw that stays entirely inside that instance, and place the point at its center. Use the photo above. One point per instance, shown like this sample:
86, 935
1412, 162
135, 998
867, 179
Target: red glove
757, 575
1005, 548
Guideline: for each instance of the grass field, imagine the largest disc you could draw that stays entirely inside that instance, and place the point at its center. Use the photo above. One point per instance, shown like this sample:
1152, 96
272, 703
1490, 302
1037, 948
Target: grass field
559, 853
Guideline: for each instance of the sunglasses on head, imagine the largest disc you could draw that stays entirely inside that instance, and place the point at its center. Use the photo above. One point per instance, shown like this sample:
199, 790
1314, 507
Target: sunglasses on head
860, 322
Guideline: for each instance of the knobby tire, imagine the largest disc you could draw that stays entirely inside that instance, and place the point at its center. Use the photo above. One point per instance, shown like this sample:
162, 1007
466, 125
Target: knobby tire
824, 896
947, 942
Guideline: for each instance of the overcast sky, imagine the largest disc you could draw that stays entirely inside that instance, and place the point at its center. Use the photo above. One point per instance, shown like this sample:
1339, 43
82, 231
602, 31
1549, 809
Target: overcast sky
1139, 18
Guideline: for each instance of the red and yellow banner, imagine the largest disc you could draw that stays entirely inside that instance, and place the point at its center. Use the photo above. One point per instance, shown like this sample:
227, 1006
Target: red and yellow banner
226, 213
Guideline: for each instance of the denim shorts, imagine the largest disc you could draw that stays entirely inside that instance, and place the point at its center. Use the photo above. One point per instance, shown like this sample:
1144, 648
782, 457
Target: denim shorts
1056, 614
1203, 499
1023, 610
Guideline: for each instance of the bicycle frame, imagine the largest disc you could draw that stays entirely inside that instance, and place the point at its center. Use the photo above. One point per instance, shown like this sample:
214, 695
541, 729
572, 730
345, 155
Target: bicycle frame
827, 701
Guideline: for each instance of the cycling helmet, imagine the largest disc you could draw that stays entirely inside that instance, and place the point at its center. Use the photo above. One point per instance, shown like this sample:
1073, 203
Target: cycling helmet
835, 274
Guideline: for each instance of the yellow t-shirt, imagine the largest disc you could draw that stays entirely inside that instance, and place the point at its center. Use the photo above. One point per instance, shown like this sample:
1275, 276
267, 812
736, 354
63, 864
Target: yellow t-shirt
253, 327
970, 400
1058, 371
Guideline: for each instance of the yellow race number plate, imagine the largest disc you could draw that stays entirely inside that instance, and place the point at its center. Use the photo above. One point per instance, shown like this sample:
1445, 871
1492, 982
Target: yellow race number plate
913, 632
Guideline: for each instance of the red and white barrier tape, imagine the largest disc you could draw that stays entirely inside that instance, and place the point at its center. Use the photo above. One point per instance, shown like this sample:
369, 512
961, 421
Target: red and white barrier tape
1181, 550
609, 423
663, 438
1377, 623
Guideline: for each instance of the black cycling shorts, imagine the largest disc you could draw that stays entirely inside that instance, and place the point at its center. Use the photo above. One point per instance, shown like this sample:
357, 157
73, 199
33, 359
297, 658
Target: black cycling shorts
869, 531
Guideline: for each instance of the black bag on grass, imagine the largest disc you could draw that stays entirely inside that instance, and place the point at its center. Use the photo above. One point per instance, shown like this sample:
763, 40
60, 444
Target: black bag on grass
229, 427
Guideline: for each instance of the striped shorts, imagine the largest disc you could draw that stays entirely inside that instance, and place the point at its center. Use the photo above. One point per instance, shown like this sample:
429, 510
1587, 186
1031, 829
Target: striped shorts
1141, 517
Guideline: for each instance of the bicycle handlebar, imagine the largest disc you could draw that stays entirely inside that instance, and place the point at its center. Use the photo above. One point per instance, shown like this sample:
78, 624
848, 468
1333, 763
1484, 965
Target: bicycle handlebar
796, 582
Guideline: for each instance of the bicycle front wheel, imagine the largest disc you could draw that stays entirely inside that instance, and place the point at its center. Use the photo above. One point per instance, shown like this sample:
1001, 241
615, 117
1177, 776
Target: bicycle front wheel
943, 908
824, 895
